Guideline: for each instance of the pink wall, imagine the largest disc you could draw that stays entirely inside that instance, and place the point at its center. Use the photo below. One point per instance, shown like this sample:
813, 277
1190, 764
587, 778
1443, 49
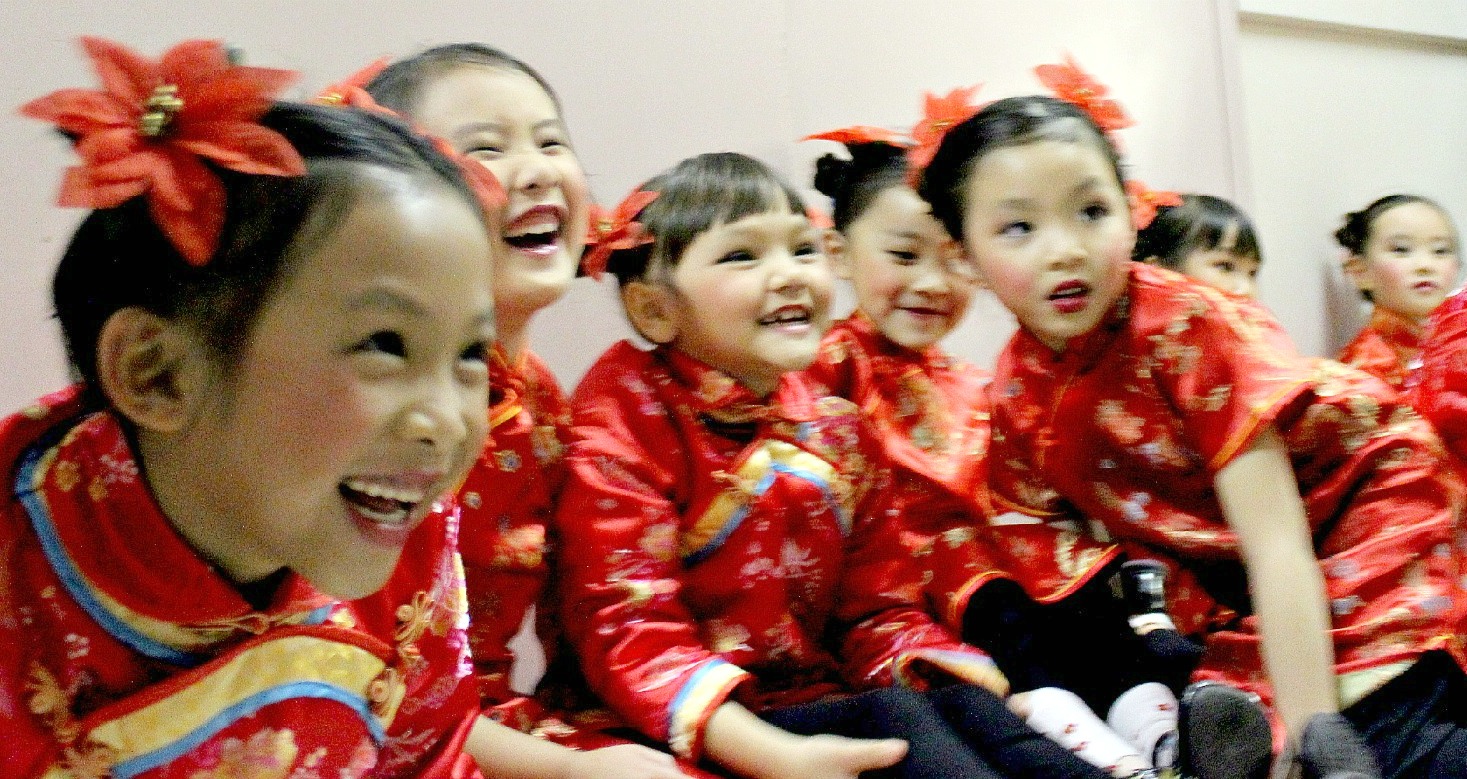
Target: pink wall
645, 82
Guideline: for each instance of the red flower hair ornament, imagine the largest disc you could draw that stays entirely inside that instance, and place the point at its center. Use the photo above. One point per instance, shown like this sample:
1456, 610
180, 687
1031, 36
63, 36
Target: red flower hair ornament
352, 90
614, 230
861, 133
1073, 85
939, 115
1146, 201
153, 124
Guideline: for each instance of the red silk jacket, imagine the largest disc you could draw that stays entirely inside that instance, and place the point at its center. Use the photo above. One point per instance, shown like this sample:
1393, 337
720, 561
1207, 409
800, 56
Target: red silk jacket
931, 413
1132, 422
1388, 348
125, 654
718, 545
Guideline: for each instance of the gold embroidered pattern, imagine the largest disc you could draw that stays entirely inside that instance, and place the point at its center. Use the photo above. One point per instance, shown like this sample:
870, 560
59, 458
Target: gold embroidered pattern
268, 754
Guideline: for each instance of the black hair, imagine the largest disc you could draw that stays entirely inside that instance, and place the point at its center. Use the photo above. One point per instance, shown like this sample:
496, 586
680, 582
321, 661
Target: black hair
401, 85
119, 257
1200, 223
1013, 121
1354, 234
853, 184
693, 196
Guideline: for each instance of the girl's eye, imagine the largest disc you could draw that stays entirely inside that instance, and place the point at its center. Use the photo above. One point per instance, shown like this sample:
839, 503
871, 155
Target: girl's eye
476, 352
806, 250
553, 144
483, 151
383, 342
1016, 229
1226, 266
1399, 249
904, 257
1096, 211
736, 256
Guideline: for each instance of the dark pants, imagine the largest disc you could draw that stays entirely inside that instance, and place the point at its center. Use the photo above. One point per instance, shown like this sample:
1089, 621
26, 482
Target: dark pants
1082, 643
953, 733
1416, 724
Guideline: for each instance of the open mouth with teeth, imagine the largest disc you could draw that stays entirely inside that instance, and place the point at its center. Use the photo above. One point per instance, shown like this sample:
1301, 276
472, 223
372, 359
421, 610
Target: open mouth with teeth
384, 513
1070, 297
536, 232
786, 316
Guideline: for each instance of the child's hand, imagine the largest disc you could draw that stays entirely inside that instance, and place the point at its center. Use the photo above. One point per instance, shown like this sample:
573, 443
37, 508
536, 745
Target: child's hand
623, 761
836, 757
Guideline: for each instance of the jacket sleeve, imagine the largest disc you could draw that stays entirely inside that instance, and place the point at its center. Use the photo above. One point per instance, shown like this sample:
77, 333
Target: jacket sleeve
887, 635
618, 520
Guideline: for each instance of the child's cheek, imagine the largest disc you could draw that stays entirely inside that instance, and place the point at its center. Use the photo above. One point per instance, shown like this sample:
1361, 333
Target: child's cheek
1011, 283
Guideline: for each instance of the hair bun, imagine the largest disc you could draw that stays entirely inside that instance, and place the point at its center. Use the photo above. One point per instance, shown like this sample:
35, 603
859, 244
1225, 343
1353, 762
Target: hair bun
831, 174
1351, 234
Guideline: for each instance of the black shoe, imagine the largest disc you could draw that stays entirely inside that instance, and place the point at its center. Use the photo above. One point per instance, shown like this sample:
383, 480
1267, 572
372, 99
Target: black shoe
1224, 734
1330, 748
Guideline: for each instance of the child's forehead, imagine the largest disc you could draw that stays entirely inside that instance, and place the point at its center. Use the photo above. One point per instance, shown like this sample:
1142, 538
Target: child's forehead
778, 217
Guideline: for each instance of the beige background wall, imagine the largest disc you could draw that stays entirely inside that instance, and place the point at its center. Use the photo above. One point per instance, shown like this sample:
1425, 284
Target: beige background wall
645, 83
1345, 101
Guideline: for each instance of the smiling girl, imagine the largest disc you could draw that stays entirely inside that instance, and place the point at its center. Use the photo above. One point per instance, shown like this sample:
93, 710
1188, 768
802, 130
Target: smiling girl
733, 583
227, 546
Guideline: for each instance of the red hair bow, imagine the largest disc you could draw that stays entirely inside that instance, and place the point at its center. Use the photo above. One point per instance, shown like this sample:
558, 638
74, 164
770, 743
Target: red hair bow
352, 90
615, 229
152, 125
1073, 85
860, 133
1145, 202
939, 115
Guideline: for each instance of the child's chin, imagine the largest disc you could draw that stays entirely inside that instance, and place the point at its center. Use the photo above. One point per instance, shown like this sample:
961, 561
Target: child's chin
351, 583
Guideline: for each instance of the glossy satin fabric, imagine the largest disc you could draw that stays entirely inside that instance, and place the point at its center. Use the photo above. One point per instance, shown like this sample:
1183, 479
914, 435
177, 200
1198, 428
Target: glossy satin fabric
716, 544
931, 413
1131, 423
1388, 348
124, 653
507, 503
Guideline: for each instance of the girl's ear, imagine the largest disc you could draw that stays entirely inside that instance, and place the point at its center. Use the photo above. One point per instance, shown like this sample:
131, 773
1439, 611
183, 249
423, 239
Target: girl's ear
834, 246
650, 308
152, 370
1354, 269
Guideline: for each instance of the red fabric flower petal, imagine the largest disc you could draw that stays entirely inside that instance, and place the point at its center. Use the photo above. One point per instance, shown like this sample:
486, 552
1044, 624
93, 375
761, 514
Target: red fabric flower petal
125, 74
352, 90
81, 189
1071, 84
939, 115
245, 147
214, 117
819, 219
1146, 201
859, 134
243, 94
188, 204
615, 229
79, 111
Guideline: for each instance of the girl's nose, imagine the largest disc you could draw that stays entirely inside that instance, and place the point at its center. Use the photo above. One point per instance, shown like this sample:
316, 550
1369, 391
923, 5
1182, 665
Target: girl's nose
437, 417
532, 172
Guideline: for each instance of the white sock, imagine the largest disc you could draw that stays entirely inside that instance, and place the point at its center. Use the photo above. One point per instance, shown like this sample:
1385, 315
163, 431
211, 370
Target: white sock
1145, 715
1065, 719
